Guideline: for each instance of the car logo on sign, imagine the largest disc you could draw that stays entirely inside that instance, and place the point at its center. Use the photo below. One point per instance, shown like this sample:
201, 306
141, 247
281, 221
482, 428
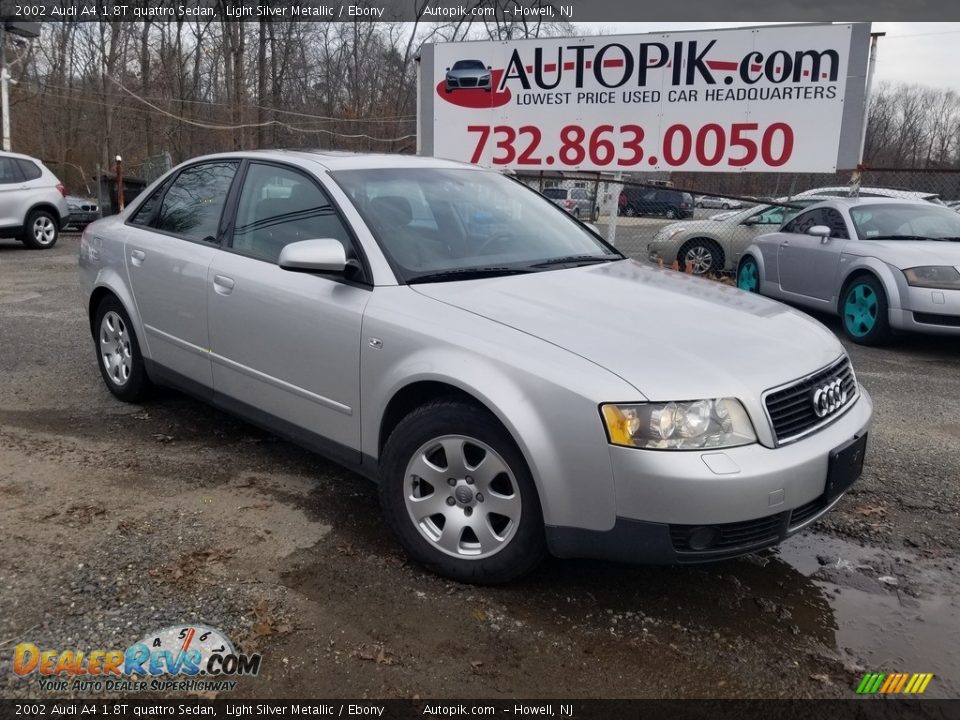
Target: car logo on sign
829, 398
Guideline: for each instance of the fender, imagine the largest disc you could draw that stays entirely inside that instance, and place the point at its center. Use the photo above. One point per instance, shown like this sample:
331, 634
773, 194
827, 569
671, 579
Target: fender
894, 283
539, 392
753, 250
109, 279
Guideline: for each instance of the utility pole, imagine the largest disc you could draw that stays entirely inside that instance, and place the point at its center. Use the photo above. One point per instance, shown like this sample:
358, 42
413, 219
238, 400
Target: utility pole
4, 87
23, 29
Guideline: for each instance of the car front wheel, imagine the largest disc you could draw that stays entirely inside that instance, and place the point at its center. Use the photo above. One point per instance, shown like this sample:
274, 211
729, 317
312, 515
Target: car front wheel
702, 255
41, 231
459, 496
863, 310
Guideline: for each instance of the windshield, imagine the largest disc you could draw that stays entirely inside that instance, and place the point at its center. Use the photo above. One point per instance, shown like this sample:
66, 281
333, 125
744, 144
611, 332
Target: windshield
469, 65
907, 221
432, 221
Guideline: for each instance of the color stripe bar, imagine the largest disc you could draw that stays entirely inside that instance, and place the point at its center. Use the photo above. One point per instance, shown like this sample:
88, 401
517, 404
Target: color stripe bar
865, 683
875, 685
903, 681
926, 682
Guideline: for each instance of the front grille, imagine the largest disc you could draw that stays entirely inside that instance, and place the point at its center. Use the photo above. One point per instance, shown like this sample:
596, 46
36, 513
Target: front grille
934, 319
800, 515
731, 535
468, 82
791, 408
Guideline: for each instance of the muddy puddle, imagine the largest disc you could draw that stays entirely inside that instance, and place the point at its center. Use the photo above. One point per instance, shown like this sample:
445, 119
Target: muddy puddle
889, 610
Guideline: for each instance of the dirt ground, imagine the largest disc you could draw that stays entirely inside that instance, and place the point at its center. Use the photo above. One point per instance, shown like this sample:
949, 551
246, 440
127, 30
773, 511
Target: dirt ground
118, 520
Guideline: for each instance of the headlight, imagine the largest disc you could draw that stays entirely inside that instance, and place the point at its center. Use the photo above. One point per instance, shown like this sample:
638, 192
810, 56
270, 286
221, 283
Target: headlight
690, 425
943, 277
666, 233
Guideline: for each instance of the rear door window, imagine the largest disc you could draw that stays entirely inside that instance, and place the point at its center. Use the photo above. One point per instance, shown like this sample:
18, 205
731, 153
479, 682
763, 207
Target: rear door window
194, 203
29, 169
10, 171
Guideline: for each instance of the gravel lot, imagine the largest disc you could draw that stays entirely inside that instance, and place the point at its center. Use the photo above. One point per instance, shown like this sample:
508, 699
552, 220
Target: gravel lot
119, 520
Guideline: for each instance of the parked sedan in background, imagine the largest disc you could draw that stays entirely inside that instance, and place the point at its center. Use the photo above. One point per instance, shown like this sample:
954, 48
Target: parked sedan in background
496, 384
882, 264
715, 245
712, 201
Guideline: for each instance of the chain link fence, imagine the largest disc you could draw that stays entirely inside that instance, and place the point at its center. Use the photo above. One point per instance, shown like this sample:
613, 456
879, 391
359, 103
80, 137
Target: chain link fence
702, 222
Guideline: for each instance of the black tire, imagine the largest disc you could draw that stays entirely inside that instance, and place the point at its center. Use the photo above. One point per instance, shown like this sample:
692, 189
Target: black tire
864, 299
670, 214
520, 554
136, 385
41, 239
726, 206
576, 213
699, 204
705, 245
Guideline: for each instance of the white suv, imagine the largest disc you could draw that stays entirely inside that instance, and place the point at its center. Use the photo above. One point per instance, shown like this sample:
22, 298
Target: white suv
33, 206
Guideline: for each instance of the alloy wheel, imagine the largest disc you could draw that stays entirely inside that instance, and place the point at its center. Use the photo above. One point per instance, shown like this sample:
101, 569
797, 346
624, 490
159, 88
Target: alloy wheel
462, 497
44, 231
115, 350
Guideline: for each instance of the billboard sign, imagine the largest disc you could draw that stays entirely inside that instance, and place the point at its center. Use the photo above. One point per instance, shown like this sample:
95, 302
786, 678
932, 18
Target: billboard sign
759, 99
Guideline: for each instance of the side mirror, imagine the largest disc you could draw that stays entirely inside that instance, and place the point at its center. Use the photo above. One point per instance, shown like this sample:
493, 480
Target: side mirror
489, 67
325, 255
820, 231
448, 69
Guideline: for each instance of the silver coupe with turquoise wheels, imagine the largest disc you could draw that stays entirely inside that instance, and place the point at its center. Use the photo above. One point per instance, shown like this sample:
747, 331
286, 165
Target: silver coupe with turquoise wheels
881, 264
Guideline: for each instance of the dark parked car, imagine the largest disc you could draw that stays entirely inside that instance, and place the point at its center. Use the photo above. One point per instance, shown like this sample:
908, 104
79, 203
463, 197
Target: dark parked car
83, 211
672, 204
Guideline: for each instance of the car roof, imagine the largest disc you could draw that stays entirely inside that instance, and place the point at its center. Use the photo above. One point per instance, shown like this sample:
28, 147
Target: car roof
853, 202
342, 160
20, 156
885, 192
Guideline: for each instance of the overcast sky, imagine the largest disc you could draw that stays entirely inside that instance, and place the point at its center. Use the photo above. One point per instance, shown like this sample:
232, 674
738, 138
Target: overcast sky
927, 53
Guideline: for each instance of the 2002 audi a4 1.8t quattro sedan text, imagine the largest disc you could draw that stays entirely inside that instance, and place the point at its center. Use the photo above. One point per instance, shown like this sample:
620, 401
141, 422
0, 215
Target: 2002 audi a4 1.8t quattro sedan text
513, 383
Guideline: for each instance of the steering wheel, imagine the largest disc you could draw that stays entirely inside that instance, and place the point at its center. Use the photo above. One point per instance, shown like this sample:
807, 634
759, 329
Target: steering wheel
496, 239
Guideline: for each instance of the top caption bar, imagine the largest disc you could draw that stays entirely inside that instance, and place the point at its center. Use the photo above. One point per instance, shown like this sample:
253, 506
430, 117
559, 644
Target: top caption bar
531, 11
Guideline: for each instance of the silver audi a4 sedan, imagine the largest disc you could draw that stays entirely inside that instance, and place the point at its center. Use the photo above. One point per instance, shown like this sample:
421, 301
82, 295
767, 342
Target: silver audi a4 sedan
881, 264
513, 383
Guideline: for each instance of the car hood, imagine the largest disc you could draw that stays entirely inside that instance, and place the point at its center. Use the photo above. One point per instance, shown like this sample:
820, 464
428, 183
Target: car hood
672, 336
908, 253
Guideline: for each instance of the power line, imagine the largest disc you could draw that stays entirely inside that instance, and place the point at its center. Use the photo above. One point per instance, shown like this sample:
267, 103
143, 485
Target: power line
325, 118
242, 126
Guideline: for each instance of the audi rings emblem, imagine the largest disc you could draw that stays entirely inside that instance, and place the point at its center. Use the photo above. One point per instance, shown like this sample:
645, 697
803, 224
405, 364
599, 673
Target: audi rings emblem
829, 398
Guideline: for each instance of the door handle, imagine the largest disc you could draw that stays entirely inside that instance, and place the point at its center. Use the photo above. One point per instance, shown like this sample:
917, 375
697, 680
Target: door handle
137, 257
785, 243
222, 284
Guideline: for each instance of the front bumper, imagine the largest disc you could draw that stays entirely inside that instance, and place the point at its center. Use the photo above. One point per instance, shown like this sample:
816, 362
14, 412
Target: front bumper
925, 310
751, 496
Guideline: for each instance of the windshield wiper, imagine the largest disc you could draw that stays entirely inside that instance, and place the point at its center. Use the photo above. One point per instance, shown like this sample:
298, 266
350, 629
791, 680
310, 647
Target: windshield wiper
577, 260
466, 274
899, 237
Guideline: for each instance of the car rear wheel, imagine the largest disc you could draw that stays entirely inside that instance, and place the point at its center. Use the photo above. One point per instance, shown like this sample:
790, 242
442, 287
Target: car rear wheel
670, 214
748, 275
41, 231
118, 352
456, 491
863, 311
703, 255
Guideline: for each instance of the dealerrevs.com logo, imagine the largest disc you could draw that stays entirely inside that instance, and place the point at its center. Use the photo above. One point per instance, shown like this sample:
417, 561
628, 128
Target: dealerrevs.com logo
179, 658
